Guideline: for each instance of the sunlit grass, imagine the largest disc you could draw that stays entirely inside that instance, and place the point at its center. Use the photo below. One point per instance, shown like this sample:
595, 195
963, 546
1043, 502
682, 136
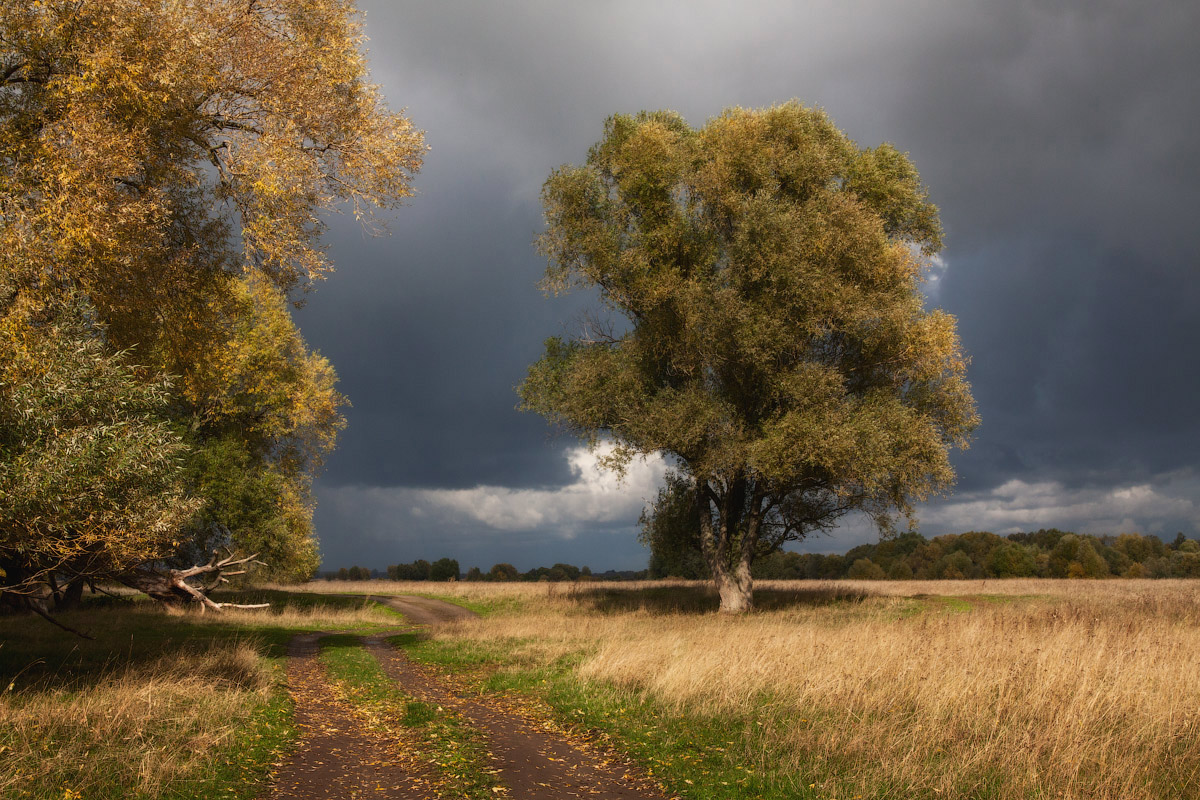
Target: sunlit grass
1002, 689
162, 704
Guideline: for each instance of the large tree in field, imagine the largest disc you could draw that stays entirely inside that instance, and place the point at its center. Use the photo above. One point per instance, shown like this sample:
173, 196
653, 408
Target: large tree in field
763, 324
165, 165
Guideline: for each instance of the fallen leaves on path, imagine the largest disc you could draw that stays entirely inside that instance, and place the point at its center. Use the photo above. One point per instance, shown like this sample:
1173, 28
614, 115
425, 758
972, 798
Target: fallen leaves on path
339, 757
346, 752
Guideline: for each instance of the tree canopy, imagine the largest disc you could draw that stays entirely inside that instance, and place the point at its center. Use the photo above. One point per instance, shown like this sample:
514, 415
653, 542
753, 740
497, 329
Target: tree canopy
169, 165
761, 323
91, 476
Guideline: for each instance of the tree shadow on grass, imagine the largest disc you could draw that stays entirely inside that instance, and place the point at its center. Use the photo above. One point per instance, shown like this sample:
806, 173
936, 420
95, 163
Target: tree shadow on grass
34, 656
134, 633
700, 598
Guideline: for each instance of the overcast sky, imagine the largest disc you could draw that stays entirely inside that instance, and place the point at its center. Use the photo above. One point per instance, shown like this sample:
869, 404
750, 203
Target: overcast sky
1059, 145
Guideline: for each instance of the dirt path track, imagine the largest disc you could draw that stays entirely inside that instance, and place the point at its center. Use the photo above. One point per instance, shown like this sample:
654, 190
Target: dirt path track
338, 758
532, 761
424, 610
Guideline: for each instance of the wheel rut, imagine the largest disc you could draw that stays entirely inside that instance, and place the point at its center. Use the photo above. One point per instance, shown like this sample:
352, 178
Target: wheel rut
533, 761
339, 758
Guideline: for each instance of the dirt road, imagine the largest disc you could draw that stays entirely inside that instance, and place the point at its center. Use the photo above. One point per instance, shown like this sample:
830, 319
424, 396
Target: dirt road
338, 757
424, 610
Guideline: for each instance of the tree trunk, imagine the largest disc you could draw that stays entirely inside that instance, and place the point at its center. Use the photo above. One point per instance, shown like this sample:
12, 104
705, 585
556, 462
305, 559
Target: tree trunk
159, 586
734, 584
71, 595
171, 586
736, 588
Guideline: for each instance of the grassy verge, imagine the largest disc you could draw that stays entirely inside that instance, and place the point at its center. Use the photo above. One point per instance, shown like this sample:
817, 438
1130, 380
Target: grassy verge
159, 705
452, 748
693, 756
1037, 690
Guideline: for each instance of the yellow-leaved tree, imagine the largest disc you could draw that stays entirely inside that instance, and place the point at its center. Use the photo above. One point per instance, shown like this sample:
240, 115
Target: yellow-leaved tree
164, 171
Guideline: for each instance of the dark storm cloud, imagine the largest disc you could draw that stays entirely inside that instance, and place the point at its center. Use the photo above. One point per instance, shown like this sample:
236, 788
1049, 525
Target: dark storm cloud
429, 330
1056, 141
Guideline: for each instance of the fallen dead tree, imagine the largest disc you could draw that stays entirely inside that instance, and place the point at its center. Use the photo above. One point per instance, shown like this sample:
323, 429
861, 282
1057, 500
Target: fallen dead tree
173, 587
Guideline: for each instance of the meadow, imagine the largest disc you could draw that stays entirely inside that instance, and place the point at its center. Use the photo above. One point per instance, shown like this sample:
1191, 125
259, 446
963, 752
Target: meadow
967, 689
161, 704
874, 689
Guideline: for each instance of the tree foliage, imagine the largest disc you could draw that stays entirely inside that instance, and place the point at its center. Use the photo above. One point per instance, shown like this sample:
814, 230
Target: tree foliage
765, 325
264, 410
91, 472
1046, 553
170, 164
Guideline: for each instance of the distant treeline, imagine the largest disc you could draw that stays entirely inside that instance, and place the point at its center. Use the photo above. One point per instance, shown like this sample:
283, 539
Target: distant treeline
446, 569
1042, 554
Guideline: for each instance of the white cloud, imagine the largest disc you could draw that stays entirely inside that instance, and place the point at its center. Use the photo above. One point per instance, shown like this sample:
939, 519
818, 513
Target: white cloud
1162, 507
596, 496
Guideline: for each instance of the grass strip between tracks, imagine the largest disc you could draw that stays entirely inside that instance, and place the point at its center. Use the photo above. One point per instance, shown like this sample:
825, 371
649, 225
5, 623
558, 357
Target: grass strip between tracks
446, 743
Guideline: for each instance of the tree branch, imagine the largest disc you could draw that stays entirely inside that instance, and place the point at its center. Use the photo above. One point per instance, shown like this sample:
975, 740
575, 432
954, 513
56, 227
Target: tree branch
35, 608
173, 587
11, 70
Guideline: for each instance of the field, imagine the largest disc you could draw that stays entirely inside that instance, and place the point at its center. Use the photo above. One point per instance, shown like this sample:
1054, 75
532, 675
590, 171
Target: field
948, 689
161, 704
1005, 689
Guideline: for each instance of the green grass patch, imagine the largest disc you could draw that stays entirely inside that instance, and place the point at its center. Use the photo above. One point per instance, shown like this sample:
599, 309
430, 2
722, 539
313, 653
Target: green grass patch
456, 748
418, 714
694, 756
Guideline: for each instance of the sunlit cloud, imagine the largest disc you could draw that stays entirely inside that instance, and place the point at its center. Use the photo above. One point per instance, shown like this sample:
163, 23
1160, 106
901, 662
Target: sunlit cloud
595, 497
1161, 507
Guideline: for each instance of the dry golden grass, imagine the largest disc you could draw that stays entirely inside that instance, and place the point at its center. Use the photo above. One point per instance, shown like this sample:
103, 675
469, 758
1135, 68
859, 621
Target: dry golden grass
141, 728
315, 617
1006, 689
108, 719
481, 591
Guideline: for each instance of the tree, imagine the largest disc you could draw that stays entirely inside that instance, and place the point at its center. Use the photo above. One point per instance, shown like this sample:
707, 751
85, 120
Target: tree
444, 569
1185, 561
137, 136
1011, 560
91, 472
503, 572
170, 164
419, 570
864, 569
265, 412
955, 566
762, 324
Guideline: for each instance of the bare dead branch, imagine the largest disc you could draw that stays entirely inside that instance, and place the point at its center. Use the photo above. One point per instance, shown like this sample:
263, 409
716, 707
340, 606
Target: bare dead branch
35, 608
171, 586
